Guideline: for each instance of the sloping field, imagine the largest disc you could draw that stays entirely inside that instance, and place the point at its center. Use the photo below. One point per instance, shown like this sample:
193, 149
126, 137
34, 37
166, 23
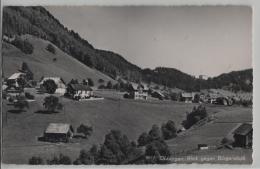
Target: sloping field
21, 130
129, 116
41, 62
226, 120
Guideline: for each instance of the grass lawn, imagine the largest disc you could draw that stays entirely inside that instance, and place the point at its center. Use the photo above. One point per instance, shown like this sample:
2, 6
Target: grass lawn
21, 130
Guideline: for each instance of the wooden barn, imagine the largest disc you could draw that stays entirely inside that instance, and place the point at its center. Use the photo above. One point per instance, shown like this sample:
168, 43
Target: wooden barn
58, 132
243, 135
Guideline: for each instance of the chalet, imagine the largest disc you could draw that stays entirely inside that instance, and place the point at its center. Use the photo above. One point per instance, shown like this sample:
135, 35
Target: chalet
138, 91
13, 80
58, 132
61, 87
187, 97
79, 91
243, 135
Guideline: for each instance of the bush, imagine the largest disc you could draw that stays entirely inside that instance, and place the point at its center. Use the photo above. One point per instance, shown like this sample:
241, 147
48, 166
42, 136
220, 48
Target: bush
24, 45
85, 158
86, 130
155, 133
29, 96
109, 85
90, 82
51, 48
101, 81
28, 73
144, 139
169, 130
62, 159
50, 86
101, 86
51, 103
35, 161
197, 114
155, 149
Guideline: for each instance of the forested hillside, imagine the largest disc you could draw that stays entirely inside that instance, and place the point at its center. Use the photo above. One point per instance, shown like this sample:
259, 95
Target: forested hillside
37, 21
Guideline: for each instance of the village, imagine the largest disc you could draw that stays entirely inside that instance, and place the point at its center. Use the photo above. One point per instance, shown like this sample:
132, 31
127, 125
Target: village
19, 89
66, 99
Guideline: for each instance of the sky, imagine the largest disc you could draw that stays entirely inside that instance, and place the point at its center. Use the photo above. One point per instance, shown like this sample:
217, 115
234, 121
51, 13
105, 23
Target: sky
199, 40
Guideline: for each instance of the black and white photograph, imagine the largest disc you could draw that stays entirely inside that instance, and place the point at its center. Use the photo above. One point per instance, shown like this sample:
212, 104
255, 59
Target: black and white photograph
127, 85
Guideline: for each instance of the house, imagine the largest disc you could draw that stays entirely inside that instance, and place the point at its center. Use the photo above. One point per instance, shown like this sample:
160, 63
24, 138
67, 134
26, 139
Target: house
187, 97
79, 91
61, 87
243, 135
58, 132
138, 91
14, 79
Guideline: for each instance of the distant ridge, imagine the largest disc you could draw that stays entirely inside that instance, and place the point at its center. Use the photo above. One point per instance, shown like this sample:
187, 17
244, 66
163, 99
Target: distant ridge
37, 21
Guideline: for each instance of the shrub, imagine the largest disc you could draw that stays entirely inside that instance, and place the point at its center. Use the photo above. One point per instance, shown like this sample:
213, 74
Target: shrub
169, 130
85, 158
21, 103
35, 161
197, 114
86, 130
155, 149
62, 159
28, 73
144, 139
24, 45
51, 48
101, 86
29, 96
50, 86
109, 85
101, 81
51, 103
90, 82
54, 59
155, 132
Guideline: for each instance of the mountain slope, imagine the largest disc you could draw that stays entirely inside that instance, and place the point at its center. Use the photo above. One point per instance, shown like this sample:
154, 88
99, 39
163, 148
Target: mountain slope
39, 22
41, 62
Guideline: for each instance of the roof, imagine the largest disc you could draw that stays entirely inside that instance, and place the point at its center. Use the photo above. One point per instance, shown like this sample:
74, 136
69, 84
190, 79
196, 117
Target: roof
15, 76
58, 128
158, 92
81, 87
137, 86
243, 129
186, 95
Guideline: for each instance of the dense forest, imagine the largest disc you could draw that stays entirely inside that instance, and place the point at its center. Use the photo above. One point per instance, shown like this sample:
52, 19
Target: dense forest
39, 22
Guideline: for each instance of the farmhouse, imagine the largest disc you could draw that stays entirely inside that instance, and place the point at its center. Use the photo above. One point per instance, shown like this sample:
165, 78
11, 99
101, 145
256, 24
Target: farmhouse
79, 91
61, 87
187, 97
138, 91
243, 135
58, 132
13, 80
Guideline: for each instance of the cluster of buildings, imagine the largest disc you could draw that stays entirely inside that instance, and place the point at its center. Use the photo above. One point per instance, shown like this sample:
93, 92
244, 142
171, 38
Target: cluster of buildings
13, 87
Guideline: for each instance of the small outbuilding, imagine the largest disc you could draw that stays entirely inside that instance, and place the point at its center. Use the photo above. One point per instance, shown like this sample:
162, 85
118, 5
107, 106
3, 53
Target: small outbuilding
243, 135
58, 132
